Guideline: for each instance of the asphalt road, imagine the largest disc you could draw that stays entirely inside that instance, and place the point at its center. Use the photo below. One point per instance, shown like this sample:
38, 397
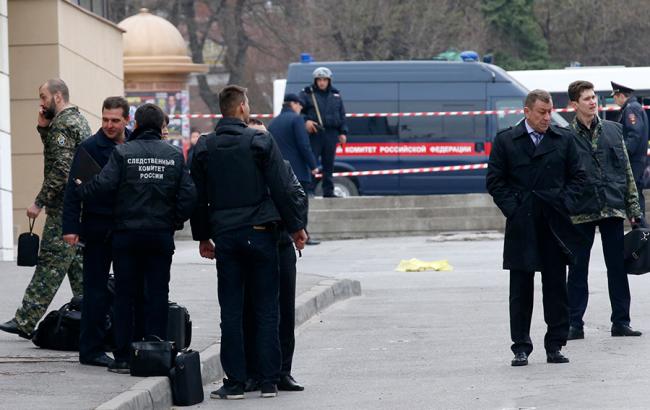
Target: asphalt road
440, 340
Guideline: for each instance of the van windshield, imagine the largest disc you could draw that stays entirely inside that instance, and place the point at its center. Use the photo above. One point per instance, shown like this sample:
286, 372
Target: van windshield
508, 120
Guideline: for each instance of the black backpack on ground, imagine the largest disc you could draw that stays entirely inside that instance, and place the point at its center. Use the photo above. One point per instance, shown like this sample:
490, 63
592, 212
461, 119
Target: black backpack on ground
61, 328
185, 379
179, 326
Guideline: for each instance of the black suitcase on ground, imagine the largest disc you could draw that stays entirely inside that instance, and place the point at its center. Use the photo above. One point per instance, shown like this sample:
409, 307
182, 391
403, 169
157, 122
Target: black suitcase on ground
185, 379
636, 251
28, 243
179, 326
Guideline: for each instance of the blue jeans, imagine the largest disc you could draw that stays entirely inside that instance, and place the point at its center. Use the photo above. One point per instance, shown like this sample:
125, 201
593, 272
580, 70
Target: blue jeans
247, 258
611, 234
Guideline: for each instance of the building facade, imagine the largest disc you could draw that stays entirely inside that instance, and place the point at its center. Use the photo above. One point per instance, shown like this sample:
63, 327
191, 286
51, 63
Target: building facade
47, 39
6, 204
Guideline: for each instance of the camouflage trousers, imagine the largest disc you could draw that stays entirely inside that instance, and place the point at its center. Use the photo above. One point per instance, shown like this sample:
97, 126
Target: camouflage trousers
55, 259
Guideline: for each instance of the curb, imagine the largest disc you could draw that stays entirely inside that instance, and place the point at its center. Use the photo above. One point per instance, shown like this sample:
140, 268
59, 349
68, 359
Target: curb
154, 393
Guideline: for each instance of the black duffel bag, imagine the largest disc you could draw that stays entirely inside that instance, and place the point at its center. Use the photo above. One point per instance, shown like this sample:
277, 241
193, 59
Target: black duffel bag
60, 329
185, 379
28, 243
152, 357
636, 251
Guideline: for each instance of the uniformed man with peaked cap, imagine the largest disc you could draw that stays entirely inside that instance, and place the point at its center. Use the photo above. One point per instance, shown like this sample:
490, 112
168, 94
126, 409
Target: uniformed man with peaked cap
635, 132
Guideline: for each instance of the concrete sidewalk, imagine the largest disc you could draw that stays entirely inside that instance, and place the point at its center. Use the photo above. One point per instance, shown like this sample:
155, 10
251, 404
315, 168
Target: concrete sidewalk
35, 378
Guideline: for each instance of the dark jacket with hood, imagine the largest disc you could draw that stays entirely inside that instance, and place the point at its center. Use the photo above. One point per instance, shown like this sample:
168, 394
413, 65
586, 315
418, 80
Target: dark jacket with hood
150, 183
241, 181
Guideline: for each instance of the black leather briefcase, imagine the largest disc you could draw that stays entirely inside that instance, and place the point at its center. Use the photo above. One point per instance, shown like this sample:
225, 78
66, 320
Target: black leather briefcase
185, 379
637, 253
28, 243
152, 357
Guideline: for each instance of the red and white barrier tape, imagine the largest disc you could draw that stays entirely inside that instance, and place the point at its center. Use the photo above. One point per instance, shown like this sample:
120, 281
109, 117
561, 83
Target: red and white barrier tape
409, 170
409, 114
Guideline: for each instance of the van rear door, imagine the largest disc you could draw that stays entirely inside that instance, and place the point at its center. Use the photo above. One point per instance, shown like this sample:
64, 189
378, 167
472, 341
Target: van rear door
428, 141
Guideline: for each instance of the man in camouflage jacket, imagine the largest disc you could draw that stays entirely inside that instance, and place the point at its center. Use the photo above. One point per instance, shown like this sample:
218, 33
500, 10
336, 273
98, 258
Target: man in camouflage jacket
62, 128
608, 198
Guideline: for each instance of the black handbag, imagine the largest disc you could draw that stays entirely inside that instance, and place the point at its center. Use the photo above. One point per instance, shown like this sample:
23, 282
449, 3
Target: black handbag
152, 357
185, 379
636, 252
28, 243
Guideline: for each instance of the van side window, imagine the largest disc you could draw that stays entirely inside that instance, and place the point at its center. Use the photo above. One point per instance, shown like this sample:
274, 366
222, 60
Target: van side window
372, 129
458, 128
508, 120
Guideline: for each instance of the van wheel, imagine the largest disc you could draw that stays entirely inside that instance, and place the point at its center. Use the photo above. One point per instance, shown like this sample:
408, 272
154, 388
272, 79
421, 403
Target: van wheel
343, 187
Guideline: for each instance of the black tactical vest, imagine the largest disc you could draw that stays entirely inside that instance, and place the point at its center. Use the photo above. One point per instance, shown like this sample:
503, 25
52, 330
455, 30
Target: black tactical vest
234, 174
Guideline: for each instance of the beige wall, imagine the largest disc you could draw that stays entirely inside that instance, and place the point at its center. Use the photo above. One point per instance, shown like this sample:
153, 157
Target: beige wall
73, 44
6, 222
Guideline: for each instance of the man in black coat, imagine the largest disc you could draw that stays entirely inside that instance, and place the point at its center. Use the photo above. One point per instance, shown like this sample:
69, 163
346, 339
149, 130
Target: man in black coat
288, 130
242, 197
154, 195
534, 177
91, 224
635, 133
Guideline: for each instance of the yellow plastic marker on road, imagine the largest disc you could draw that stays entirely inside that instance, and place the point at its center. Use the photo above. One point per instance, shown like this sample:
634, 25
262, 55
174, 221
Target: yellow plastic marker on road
416, 265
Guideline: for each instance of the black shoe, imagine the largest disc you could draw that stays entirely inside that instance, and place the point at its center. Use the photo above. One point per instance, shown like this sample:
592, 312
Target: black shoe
288, 383
521, 359
575, 333
556, 357
119, 367
12, 327
331, 196
251, 385
229, 391
102, 360
624, 330
312, 242
269, 390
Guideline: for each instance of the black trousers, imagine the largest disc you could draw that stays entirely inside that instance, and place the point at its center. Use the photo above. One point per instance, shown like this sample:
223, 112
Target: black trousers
611, 235
142, 261
287, 303
97, 258
323, 144
247, 263
554, 299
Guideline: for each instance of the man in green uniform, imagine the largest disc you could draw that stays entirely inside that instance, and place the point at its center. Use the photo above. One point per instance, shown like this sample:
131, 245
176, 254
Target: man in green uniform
609, 196
62, 128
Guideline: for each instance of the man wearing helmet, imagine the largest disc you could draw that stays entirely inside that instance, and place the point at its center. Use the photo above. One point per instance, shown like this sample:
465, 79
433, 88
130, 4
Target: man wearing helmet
325, 122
